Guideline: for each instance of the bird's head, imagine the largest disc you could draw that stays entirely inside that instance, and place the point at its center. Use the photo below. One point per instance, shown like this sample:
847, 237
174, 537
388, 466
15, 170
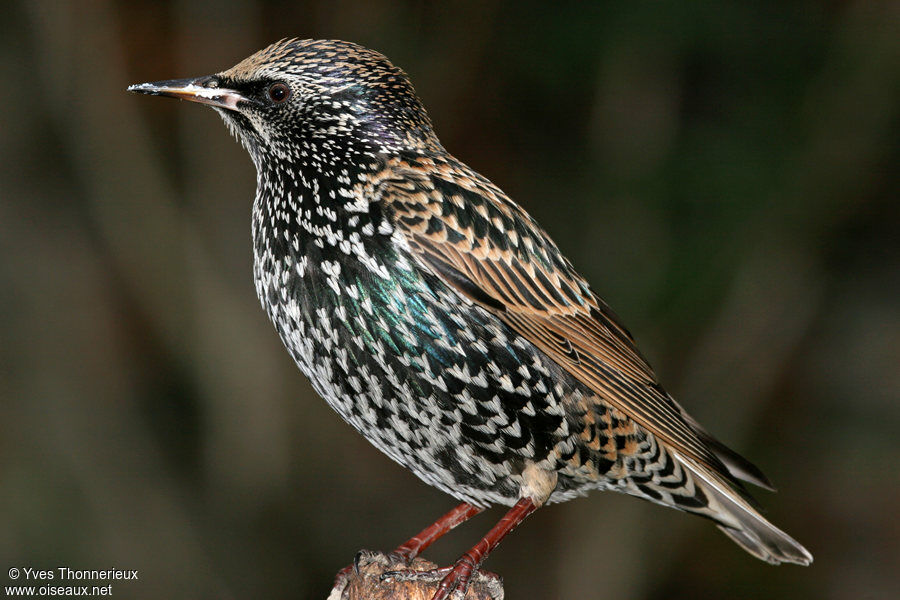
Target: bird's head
316, 101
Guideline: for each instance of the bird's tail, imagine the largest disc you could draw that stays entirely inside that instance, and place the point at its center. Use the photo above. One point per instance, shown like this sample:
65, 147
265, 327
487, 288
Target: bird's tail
741, 522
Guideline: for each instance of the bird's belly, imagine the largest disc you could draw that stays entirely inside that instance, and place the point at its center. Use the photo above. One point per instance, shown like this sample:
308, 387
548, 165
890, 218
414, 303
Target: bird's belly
438, 386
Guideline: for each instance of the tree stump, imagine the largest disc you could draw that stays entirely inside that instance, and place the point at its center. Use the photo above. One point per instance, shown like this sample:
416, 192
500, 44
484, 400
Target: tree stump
364, 582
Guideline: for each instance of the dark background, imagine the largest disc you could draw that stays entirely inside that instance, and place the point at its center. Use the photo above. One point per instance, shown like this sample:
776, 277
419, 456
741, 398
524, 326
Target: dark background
723, 172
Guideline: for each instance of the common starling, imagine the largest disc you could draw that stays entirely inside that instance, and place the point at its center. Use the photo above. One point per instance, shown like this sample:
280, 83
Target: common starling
438, 319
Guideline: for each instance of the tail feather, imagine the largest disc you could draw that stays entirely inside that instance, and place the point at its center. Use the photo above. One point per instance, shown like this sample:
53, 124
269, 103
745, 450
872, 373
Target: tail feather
742, 523
738, 466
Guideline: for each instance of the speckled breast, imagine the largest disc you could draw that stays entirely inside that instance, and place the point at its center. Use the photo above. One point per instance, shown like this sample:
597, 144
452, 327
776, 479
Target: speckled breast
435, 382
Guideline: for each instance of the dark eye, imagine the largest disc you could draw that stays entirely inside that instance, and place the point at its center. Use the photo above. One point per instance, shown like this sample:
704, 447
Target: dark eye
279, 92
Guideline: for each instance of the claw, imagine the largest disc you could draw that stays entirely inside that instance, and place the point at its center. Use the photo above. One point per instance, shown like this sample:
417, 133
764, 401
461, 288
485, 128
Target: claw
412, 575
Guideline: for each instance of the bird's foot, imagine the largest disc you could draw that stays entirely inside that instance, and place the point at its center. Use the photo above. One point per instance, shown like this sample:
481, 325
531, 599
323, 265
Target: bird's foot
381, 576
431, 575
452, 579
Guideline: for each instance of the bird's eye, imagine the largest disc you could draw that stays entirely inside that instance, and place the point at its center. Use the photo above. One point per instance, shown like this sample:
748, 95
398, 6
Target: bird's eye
279, 92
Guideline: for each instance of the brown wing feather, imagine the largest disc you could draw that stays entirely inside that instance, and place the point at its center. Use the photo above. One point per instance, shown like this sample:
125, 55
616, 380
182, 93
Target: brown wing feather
472, 236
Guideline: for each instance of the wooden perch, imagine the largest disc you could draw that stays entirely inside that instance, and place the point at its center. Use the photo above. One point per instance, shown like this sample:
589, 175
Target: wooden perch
367, 584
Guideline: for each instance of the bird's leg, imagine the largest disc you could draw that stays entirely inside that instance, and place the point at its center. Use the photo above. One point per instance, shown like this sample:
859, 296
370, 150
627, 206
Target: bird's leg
411, 548
415, 545
457, 577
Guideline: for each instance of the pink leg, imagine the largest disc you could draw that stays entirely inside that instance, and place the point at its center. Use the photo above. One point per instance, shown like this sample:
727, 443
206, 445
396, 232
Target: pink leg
458, 576
417, 544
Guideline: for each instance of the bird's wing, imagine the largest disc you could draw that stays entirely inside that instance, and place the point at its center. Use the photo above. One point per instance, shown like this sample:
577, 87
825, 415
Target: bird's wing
465, 230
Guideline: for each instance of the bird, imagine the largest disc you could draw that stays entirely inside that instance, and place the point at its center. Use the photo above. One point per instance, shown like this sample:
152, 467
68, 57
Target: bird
439, 320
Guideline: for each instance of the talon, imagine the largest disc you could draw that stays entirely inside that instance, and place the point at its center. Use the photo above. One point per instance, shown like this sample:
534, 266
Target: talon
411, 575
389, 575
401, 574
